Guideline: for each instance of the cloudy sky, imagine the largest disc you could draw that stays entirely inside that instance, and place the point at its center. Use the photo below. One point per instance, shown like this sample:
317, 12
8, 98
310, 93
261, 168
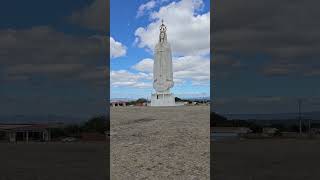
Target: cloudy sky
134, 30
266, 56
53, 58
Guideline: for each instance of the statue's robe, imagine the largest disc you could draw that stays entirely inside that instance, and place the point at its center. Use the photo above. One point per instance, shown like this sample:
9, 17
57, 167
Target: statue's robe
162, 68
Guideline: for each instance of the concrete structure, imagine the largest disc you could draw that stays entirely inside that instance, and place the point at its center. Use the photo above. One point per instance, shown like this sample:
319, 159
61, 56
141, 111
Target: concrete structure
25, 132
162, 99
162, 72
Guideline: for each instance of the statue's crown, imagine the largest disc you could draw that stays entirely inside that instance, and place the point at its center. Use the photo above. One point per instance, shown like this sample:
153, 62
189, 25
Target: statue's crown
163, 28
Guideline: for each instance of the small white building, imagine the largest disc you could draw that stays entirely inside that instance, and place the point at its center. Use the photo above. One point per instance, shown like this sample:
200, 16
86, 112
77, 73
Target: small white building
26, 132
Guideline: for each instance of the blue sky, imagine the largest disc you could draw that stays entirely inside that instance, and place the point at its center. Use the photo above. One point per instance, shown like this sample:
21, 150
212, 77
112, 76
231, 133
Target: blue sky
131, 66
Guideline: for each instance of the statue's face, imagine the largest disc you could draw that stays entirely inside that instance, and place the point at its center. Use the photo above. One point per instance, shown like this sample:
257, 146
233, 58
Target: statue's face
161, 35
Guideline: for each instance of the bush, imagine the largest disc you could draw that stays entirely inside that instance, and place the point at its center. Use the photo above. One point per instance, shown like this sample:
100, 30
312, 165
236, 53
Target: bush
97, 124
141, 100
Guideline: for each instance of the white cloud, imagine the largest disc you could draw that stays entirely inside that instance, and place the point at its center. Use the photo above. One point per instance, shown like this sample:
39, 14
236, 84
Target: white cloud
145, 65
117, 49
124, 78
145, 7
188, 31
193, 68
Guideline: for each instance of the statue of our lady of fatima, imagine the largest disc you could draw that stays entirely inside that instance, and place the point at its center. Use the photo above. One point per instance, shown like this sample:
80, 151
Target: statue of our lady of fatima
162, 68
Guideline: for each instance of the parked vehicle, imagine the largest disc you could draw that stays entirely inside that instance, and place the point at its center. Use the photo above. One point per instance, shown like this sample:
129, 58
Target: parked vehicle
69, 139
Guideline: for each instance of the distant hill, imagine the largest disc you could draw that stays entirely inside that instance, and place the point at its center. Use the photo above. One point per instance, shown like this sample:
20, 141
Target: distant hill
197, 98
122, 99
277, 116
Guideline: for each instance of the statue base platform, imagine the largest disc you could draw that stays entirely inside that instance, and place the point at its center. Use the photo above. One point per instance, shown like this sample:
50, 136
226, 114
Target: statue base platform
162, 99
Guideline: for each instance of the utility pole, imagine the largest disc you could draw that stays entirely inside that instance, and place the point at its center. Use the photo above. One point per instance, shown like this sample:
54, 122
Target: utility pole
300, 121
309, 127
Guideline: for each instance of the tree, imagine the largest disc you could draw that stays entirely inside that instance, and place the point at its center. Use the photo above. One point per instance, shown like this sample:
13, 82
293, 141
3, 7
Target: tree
97, 124
141, 100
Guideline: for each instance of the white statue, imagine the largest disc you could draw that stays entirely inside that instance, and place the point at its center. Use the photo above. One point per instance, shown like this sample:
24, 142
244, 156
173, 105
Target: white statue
162, 72
162, 68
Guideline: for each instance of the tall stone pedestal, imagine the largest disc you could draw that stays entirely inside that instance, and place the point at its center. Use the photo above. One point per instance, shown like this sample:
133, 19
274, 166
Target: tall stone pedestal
162, 99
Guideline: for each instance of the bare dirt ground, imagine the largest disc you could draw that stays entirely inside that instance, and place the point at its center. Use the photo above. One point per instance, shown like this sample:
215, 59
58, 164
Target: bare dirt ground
268, 159
53, 161
160, 143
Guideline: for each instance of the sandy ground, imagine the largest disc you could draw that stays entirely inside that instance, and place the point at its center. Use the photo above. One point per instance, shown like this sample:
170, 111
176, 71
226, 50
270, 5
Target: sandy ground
273, 159
53, 161
160, 143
